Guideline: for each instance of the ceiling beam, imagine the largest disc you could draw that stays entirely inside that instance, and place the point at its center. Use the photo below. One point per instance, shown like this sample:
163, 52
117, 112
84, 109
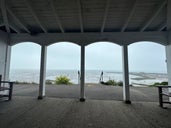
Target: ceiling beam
4, 15
34, 15
52, 5
156, 12
14, 28
17, 20
105, 15
162, 27
80, 15
131, 12
168, 18
88, 38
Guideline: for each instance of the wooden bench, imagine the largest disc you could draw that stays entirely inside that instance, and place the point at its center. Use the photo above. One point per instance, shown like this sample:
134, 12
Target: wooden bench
6, 88
164, 93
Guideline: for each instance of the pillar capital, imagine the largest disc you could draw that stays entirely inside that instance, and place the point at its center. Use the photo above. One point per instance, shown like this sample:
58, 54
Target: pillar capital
124, 45
43, 44
82, 45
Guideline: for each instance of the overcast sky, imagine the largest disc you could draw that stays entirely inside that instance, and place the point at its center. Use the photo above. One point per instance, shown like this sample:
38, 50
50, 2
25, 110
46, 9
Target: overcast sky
143, 56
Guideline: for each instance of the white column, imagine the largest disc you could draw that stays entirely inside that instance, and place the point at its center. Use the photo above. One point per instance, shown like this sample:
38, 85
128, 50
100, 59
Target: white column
42, 72
82, 80
126, 90
168, 61
5, 55
168, 47
7, 62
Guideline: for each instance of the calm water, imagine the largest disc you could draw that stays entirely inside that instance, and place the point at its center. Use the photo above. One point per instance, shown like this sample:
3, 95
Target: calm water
91, 76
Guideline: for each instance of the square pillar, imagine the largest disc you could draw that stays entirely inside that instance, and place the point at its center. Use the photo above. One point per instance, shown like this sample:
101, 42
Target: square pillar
168, 61
5, 55
126, 89
7, 63
168, 47
42, 72
82, 79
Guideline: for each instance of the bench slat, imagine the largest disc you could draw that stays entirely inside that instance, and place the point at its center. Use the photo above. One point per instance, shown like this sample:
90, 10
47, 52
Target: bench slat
166, 94
162, 93
4, 88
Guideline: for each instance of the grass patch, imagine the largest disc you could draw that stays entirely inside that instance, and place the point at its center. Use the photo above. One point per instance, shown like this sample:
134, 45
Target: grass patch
112, 83
50, 82
158, 84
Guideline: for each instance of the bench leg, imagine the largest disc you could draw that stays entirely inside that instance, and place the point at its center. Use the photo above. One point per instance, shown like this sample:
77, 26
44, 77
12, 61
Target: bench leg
160, 97
10, 91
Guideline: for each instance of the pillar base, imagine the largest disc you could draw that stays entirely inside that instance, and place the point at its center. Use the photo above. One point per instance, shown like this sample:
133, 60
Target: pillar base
40, 97
82, 99
127, 101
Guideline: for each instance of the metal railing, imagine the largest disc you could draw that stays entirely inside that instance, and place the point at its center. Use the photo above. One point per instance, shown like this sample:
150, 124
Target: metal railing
100, 80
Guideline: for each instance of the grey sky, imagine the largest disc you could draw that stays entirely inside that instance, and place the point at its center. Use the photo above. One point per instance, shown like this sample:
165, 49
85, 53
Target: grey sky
149, 57
143, 56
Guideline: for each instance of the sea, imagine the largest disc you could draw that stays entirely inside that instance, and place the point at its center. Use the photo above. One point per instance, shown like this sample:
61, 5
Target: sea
91, 76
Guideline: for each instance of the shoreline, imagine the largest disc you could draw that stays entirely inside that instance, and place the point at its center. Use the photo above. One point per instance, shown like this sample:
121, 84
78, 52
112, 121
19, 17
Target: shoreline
86, 84
91, 76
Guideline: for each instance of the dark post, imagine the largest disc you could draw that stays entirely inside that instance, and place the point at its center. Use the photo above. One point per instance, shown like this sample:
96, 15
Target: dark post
0, 79
10, 90
160, 97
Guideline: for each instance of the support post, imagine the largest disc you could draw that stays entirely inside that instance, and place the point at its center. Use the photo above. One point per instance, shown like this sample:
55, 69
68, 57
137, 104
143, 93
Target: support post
5, 55
82, 79
160, 97
126, 90
168, 61
168, 47
42, 72
7, 62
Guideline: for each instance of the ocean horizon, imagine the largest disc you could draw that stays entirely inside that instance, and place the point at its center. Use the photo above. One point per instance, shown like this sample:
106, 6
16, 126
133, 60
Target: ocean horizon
91, 76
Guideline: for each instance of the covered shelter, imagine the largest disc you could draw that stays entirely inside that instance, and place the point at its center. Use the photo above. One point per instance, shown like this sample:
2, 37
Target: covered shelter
83, 22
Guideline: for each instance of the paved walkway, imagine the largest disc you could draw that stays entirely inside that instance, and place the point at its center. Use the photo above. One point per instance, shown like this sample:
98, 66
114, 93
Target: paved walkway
98, 92
28, 112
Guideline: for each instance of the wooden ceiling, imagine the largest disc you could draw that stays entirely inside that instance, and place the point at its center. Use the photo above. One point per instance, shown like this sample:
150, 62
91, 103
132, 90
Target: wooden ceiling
82, 16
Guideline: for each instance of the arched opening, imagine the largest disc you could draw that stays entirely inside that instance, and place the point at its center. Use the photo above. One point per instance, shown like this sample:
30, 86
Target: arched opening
147, 67
24, 67
106, 57
63, 59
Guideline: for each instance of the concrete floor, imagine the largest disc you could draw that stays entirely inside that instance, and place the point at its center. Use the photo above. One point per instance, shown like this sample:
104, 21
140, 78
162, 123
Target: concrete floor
28, 112
25, 111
